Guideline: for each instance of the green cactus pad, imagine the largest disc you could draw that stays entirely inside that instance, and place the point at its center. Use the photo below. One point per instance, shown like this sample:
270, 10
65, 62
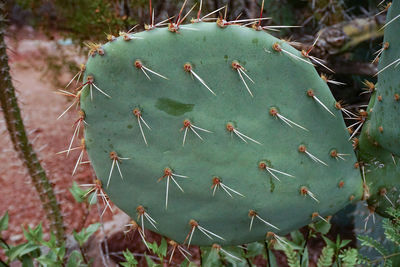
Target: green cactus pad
385, 126
382, 174
218, 58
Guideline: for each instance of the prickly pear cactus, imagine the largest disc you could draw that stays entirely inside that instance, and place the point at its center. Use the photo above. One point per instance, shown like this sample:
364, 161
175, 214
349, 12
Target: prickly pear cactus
385, 127
382, 173
379, 144
220, 133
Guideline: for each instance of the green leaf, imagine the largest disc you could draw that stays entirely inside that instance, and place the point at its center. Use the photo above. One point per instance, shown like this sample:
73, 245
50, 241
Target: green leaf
321, 227
35, 235
162, 250
150, 262
52, 243
210, 257
254, 249
292, 257
305, 260
392, 230
329, 243
4, 222
26, 261
153, 247
349, 257
363, 260
85, 233
344, 243
388, 263
235, 259
47, 260
78, 193
187, 263
326, 257
130, 259
60, 252
75, 259
272, 259
20, 250
297, 237
370, 242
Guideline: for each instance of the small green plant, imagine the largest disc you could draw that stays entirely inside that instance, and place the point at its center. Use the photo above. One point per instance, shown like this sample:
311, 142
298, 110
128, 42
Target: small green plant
38, 251
130, 259
392, 233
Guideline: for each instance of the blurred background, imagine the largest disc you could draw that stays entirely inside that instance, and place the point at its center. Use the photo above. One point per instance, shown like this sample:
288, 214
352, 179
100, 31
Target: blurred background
46, 43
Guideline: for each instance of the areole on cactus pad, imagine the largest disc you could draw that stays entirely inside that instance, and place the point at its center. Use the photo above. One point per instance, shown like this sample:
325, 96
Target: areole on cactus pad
214, 129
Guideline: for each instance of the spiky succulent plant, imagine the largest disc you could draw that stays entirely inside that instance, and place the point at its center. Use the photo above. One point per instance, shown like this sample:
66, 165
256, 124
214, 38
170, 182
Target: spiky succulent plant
212, 132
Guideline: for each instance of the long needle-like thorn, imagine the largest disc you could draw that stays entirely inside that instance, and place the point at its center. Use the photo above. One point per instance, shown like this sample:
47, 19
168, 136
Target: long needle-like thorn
217, 183
188, 68
243, 137
138, 114
240, 70
170, 175
304, 191
253, 214
274, 112
115, 161
187, 125
310, 93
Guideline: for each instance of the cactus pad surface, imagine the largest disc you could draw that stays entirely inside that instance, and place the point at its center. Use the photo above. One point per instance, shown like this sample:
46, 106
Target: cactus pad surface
261, 110
385, 126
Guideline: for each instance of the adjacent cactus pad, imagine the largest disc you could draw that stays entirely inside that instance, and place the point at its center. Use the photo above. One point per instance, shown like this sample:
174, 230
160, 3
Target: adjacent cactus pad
235, 123
379, 144
386, 111
382, 172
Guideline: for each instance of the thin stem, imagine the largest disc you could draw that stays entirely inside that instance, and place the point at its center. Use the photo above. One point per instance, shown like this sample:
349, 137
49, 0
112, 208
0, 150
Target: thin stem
83, 255
385, 257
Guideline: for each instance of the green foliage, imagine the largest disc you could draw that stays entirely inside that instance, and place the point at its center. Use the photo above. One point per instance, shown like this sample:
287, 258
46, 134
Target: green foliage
320, 226
4, 222
392, 226
210, 257
130, 260
387, 256
83, 236
292, 257
349, 257
325, 259
160, 251
336, 246
150, 262
78, 193
83, 20
39, 252
254, 249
